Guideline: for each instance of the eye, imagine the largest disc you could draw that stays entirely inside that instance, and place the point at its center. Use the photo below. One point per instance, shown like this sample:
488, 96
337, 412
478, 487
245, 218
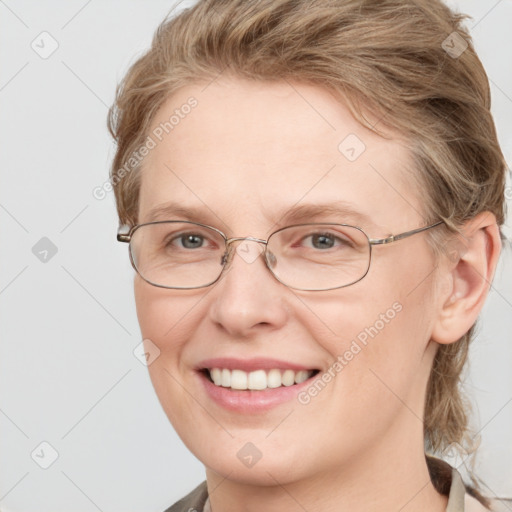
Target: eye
324, 241
186, 241
191, 241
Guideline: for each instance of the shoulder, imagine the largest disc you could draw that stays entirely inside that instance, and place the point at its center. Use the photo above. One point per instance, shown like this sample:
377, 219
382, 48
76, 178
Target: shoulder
192, 502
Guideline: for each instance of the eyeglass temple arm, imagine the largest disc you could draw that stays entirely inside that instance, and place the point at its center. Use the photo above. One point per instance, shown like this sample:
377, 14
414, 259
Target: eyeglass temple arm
393, 238
124, 237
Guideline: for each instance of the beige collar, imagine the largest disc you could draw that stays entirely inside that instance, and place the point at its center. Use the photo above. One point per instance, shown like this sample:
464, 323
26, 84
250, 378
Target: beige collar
459, 500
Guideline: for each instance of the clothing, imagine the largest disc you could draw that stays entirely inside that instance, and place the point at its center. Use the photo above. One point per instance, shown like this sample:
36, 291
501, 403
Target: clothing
458, 499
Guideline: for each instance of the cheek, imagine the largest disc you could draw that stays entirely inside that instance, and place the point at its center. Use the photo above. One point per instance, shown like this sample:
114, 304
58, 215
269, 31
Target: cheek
378, 335
164, 315
166, 320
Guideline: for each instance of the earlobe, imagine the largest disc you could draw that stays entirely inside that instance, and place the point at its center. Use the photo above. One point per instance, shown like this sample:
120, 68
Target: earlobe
469, 275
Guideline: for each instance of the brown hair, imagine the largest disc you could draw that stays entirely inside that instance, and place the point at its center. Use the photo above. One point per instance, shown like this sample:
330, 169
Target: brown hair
410, 63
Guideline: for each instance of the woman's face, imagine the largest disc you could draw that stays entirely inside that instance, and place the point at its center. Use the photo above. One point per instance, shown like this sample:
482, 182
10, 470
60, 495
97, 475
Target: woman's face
243, 157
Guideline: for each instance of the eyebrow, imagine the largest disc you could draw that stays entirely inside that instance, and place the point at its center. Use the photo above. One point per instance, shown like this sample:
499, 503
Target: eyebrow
177, 211
341, 210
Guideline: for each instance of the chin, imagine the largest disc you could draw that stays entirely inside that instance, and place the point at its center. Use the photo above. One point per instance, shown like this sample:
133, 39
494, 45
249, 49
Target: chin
262, 462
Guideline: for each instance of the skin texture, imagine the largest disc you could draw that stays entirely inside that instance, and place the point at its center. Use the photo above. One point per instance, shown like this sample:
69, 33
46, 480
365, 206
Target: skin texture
245, 155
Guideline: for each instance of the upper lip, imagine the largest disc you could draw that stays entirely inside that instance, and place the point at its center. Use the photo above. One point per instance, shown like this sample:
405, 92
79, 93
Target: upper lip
249, 365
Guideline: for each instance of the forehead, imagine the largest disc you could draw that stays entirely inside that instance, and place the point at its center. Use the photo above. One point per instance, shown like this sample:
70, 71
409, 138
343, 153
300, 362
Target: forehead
249, 151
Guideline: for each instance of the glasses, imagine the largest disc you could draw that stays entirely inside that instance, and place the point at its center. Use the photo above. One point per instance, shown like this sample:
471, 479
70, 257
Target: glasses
310, 257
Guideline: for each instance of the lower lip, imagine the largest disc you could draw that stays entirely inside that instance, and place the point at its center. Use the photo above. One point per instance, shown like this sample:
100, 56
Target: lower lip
250, 401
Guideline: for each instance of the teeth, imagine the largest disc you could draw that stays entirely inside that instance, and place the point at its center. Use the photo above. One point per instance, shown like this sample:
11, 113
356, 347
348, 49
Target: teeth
274, 379
258, 379
225, 378
301, 376
238, 379
216, 375
288, 378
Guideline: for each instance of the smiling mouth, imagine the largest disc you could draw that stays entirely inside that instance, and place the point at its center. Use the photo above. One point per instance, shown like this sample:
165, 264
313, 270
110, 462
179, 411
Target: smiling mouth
258, 380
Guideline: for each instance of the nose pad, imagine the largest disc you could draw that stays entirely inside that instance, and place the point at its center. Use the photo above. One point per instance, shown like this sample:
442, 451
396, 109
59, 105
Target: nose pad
271, 259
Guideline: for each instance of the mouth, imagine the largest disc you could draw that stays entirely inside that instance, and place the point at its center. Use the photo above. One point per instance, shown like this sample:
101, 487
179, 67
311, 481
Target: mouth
255, 385
257, 380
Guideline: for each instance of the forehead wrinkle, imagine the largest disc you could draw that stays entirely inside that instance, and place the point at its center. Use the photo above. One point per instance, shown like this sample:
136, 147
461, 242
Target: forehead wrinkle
339, 212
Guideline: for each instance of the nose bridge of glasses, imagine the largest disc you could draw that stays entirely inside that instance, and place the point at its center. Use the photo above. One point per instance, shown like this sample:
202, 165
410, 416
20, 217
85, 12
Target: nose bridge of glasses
229, 241
248, 252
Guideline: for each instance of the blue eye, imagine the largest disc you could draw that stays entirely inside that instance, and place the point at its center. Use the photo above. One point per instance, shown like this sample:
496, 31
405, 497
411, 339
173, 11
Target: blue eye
191, 241
323, 241
186, 241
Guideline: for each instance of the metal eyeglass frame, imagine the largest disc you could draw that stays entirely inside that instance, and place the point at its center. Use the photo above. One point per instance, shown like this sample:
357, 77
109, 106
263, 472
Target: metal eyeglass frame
126, 237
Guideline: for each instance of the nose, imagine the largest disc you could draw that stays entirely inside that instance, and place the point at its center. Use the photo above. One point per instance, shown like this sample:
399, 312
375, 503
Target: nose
247, 298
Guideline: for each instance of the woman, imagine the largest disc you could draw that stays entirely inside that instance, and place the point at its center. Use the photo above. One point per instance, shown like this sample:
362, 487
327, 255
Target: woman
312, 193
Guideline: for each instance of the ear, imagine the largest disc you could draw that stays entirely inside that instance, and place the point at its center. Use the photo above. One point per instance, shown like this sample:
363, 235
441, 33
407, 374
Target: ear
468, 272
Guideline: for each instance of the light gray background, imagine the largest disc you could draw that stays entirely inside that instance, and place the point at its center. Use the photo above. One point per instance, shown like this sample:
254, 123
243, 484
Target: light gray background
68, 375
